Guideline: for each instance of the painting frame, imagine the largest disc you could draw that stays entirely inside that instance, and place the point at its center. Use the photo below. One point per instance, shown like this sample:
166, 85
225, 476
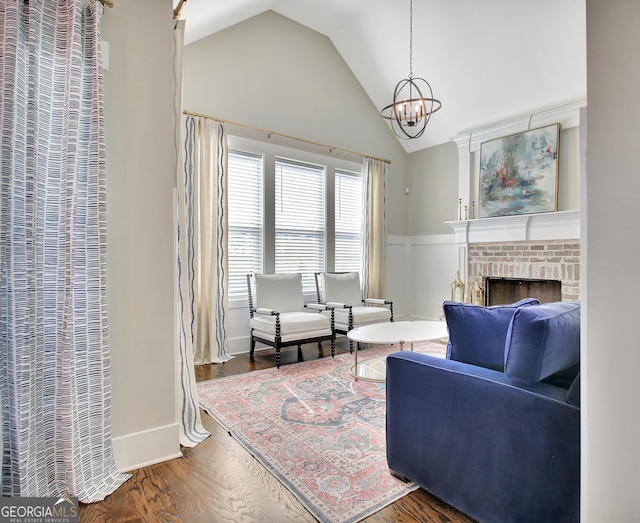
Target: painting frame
519, 173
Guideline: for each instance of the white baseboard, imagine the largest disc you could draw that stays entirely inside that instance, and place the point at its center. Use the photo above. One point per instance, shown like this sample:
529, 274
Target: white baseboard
238, 345
416, 317
148, 447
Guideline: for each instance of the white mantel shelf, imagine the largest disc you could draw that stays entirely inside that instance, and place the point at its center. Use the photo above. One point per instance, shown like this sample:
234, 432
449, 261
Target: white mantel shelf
559, 225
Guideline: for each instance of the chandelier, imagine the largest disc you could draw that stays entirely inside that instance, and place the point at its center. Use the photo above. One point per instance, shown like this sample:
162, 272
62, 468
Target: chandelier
413, 101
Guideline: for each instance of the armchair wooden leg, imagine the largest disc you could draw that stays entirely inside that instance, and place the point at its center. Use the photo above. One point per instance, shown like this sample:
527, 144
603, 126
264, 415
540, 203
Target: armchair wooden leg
253, 347
350, 327
333, 346
300, 358
277, 356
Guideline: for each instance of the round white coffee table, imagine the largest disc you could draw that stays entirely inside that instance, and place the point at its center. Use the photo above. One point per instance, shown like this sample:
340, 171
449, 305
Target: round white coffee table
401, 332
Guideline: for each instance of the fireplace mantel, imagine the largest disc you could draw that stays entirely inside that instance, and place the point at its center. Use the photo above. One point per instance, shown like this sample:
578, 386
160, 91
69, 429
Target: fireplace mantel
538, 227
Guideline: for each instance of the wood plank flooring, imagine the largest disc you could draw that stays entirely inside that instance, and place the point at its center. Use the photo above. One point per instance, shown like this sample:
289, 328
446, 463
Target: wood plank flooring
219, 481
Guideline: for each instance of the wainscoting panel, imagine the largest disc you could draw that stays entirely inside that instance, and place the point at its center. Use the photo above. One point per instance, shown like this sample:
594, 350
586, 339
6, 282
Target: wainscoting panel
434, 262
237, 327
398, 286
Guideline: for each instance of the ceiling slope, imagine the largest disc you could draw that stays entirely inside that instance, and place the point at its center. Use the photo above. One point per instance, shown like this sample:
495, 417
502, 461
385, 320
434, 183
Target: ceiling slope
486, 61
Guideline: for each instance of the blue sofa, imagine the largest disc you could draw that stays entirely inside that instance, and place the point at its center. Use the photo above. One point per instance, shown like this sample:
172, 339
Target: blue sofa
494, 429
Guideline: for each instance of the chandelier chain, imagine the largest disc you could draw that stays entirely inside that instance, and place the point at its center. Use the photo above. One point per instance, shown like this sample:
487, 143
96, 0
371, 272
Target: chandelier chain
410, 38
413, 102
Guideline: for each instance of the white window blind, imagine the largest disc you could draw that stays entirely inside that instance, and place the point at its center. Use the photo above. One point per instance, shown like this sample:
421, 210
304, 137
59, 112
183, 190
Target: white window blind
244, 191
299, 219
348, 217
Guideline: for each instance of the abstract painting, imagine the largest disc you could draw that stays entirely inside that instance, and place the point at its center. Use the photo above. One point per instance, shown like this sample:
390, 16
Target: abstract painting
519, 173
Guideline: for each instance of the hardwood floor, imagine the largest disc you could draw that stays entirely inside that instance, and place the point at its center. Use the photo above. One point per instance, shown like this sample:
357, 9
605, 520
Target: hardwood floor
219, 480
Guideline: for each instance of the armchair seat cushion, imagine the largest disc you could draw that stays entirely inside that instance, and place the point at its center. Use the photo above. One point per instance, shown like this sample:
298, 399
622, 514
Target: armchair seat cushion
361, 316
292, 323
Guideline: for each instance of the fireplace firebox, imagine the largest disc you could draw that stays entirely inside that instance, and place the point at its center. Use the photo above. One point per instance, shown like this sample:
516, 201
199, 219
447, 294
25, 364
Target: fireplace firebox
500, 291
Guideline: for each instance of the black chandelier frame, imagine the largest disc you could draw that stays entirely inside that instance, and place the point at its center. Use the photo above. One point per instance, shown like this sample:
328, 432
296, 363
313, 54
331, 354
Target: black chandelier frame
413, 101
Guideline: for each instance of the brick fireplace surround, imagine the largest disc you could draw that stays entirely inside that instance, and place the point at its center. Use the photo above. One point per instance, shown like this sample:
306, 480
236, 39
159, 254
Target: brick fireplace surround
547, 259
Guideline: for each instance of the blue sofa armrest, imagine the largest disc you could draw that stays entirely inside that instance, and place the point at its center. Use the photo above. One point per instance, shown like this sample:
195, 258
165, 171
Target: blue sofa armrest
491, 446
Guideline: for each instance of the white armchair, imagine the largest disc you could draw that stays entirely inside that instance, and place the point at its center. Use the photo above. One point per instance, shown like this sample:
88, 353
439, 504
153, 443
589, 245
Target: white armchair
280, 318
342, 293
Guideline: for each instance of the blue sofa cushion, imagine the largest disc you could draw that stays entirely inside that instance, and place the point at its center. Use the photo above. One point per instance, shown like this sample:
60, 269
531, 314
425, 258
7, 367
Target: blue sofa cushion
477, 334
542, 341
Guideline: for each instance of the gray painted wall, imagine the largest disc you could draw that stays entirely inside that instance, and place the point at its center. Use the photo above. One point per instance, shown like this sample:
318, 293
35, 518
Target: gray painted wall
140, 157
610, 420
569, 175
273, 73
433, 196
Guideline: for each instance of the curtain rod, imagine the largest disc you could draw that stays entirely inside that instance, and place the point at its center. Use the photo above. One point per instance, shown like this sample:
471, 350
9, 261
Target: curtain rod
176, 11
270, 133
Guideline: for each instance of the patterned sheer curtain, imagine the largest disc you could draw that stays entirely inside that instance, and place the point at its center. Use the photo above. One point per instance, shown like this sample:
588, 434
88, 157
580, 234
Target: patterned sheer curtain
202, 240
191, 430
55, 385
373, 228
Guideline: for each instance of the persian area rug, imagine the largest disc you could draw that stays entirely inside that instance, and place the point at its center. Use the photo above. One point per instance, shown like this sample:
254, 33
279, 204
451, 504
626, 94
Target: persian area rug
319, 431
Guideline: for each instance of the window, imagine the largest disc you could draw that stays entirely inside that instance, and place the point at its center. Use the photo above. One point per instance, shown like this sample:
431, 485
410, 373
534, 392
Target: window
300, 224
244, 196
348, 214
290, 211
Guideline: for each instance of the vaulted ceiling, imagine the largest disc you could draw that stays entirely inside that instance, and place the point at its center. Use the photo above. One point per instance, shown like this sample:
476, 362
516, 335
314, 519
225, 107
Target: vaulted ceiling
486, 61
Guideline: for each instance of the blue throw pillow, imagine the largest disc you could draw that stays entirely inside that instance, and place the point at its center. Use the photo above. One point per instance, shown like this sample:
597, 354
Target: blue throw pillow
477, 334
542, 341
